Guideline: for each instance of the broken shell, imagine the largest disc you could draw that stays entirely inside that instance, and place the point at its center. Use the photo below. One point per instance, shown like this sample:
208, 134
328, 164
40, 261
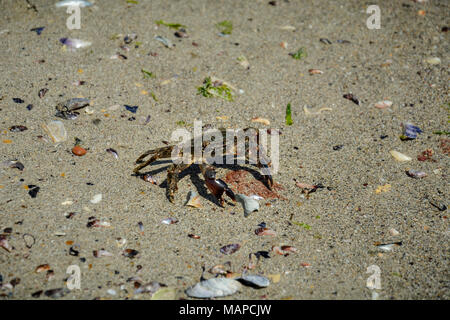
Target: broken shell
399, 156
96, 199
230, 249
216, 287
102, 253
113, 152
166, 42
121, 242
393, 232
149, 178
4, 243
315, 71
56, 131
12, 164
193, 200
261, 120
75, 43
130, 253
165, 294
193, 236
383, 104
388, 246
57, 293
170, 220
42, 268
249, 204
151, 287
97, 223
416, 174
218, 269
289, 248
254, 280
433, 61
265, 232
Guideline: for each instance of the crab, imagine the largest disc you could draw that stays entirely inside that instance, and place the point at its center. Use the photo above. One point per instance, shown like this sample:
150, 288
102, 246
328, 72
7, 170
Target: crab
216, 186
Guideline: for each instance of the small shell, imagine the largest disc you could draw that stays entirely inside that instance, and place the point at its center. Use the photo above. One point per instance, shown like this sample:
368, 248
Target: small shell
169, 220
56, 131
261, 120
149, 178
96, 223
193, 236
193, 200
216, 287
96, 199
383, 104
151, 288
75, 43
249, 204
399, 156
5, 244
42, 268
265, 232
166, 42
388, 246
416, 174
255, 280
433, 61
230, 249
102, 253
218, 269
121, 242
113, 152
315, 71
393, 232
57, 293
130, 253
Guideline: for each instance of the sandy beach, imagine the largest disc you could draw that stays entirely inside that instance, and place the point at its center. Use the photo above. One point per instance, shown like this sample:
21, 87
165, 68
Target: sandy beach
361, 210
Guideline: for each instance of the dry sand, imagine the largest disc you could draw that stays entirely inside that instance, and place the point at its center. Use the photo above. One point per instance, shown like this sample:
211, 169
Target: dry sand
345, 220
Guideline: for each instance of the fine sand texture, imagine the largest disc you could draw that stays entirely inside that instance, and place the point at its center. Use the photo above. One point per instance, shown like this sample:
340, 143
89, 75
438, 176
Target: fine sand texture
362, 197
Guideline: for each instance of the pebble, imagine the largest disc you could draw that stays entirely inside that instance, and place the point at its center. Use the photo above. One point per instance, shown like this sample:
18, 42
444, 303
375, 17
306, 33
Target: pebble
78, 151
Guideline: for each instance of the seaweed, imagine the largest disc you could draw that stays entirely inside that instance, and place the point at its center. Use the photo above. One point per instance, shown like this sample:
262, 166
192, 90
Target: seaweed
216, 89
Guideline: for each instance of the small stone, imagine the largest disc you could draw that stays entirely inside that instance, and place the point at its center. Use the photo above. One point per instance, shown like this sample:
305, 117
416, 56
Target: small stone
78, 151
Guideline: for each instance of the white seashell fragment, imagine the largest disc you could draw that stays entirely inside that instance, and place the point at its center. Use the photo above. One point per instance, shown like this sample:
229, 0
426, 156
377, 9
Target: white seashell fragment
383, 104
255, 280
193, 200
166, 42
433, 61
56, 131
393, 232
215, 287
121, 242
248, 203
399, 156
111, 292
75, 43
97, 198
244, 62
169, 221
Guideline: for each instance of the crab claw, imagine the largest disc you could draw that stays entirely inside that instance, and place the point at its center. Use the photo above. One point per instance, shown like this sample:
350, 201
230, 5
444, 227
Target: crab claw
218, 187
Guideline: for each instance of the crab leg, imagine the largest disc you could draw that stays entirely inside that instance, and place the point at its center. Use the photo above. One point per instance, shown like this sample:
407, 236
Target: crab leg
173, 178
217, 186
159, 153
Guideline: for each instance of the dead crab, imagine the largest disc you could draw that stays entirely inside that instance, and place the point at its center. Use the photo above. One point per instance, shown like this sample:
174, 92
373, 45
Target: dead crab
216, 186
